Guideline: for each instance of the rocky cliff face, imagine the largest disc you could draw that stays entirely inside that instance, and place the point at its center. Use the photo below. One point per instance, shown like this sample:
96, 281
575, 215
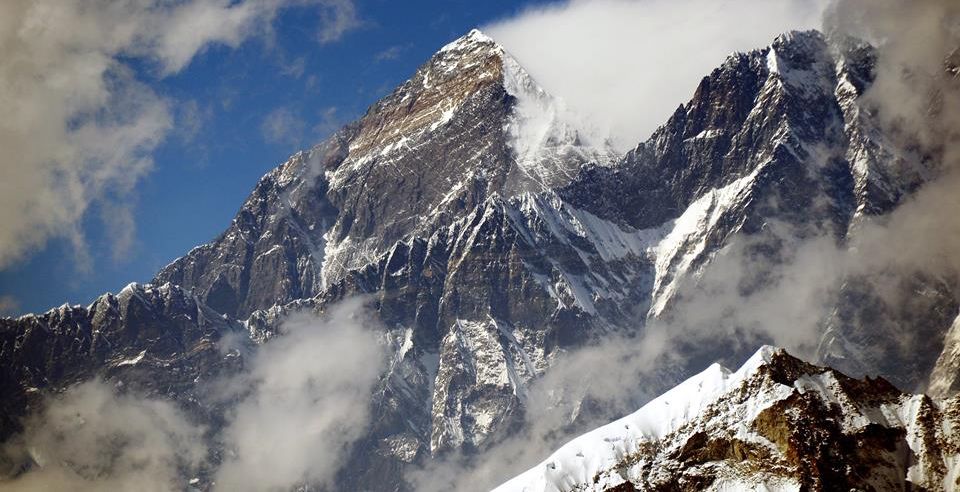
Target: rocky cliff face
777, 423
493, 233
945, 377
470, 124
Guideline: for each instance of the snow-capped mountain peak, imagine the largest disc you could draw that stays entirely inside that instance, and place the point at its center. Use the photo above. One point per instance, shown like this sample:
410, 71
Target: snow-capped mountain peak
475, 39
549, 140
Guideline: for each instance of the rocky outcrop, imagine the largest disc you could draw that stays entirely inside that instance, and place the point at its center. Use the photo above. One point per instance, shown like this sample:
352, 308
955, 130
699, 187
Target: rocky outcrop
273, 251
945, 377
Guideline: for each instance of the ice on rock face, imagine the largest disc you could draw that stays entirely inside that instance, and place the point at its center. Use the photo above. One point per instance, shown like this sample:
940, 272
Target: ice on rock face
687, 237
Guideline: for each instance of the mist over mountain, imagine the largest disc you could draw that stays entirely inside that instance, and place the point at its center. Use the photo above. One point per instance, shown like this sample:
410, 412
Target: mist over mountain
446, 292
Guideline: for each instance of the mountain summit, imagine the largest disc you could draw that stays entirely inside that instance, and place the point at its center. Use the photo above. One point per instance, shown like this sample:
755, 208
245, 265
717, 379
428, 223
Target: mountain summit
469, 125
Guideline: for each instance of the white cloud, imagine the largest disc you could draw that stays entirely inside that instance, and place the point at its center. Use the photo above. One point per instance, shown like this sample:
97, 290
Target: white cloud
339, 17
191, 118
93, 438
283, 126
79, 127
628, 64
305, 401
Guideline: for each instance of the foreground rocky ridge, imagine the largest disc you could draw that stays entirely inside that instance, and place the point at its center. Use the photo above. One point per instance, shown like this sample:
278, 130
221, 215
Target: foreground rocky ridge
492, 234
777, 423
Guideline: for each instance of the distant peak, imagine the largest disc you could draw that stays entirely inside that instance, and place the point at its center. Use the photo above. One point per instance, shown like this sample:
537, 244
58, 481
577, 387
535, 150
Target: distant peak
478, 36
472, 40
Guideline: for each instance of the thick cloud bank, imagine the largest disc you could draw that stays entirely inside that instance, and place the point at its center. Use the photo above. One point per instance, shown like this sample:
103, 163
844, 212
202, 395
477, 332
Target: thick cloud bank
92, 438
79, 127
628, 64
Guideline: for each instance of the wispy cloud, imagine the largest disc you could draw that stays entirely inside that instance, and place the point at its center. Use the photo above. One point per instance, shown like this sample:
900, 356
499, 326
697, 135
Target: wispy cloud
391, 53
8, 305
283, 126
295, 68
288, 126
329, 121
339, 17
191, 117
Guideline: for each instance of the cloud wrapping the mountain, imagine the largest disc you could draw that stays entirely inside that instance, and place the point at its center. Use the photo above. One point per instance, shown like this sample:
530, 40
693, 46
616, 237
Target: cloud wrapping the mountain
304, 401
94, 438
628, 64
79, 125
292, 416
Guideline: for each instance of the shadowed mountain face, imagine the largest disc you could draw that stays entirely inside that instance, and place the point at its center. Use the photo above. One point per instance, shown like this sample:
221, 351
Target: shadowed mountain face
492, 233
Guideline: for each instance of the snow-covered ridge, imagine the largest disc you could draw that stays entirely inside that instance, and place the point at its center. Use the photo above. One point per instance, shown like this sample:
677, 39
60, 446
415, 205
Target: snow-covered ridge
580, 460
687, 239
473, 38
693, 431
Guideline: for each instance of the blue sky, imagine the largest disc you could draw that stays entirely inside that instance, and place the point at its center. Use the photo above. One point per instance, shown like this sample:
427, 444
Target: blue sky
222, 141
